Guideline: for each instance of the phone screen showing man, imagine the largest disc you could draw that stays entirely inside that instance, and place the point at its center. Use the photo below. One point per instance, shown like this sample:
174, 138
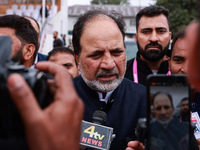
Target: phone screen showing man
169, 113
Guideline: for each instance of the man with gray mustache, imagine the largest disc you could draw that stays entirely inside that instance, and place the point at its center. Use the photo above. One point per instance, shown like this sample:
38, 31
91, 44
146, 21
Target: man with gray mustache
98, 40
163, 106
166, 130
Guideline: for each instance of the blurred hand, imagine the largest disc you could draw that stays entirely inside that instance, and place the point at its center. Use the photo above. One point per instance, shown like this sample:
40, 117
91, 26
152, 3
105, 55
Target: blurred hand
135, 145
192, 37
58, 126
198, 141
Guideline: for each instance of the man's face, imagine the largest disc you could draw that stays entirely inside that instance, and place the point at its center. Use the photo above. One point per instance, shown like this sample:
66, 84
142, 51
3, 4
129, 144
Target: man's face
185, 106
67, 60
178, 63
102, 59
163, 108
153, 37
54, 35
16, 43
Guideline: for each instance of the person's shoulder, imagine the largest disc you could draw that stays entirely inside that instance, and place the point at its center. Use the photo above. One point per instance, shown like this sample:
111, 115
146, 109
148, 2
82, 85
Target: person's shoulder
78, 82
132, 83
77, 79
130, 62
128, 84
42, 57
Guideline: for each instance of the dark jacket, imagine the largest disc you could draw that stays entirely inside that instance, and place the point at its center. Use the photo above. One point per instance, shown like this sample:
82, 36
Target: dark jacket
57, 43
143, 69
172, 136
42, 57
125, 105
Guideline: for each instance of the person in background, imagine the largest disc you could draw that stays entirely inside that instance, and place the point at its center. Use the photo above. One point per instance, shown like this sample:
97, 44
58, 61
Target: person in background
185, 109
64, 56
64, 38
153, 38
102, 86
178, 63
46, 12
57, 42
181, 51
24, 38
40, 56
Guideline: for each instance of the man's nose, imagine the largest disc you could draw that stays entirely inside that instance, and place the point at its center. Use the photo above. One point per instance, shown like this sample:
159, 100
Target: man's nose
107, 62
153, 37
163, 110
184, 68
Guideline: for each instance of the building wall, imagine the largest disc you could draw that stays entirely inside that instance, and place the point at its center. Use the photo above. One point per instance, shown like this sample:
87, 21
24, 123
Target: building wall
128, 12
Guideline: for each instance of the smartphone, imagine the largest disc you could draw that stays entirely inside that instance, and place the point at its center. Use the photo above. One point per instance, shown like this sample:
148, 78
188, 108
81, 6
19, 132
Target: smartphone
168, 113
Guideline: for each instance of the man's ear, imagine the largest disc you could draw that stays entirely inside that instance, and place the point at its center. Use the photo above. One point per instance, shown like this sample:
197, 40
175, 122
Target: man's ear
77, 59
135, 37
28, 51
170, 34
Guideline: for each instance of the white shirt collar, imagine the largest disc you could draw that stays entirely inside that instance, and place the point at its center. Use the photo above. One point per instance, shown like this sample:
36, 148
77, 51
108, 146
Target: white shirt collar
155, 72
36, 60
107, 96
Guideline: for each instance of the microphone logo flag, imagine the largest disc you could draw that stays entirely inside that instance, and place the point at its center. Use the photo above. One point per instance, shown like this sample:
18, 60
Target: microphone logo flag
95, 136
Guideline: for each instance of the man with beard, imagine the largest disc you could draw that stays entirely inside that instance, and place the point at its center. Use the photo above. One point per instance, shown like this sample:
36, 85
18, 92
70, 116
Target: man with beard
57, 42
152, 38
185, 110
24, 38
39, 56
178, 63
167, 132
98, 40
178, 60
64, 56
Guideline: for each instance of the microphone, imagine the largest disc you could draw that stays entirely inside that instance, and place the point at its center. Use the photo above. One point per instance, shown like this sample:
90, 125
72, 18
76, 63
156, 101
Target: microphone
95, 135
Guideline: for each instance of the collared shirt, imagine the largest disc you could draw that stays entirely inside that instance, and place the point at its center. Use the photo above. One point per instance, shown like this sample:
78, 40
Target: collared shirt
36, 60
108, 94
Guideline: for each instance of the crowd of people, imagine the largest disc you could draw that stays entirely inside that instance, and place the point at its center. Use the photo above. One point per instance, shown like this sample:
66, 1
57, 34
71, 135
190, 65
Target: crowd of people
102, 79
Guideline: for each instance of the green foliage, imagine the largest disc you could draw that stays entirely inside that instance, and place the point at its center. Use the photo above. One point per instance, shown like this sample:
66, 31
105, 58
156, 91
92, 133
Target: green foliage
181, 12
114, 2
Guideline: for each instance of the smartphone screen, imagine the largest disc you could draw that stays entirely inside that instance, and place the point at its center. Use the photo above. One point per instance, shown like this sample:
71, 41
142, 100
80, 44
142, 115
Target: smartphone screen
168, 119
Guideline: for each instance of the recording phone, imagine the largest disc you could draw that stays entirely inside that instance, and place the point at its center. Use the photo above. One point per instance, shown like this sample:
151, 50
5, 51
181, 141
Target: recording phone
168, 113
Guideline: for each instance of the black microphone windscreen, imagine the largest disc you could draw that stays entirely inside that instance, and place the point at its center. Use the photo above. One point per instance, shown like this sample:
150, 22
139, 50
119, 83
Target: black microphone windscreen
99, 117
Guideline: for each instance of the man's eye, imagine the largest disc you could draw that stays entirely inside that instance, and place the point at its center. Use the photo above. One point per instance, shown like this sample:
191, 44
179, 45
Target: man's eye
158, 108
178, 61
116, 53
161, 31
95, 56
166, 107
146, 31
67, 65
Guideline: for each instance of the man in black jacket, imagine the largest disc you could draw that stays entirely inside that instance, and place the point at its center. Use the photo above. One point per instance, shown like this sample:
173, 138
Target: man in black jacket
98, 40
24, 38
39, 56
153, 39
